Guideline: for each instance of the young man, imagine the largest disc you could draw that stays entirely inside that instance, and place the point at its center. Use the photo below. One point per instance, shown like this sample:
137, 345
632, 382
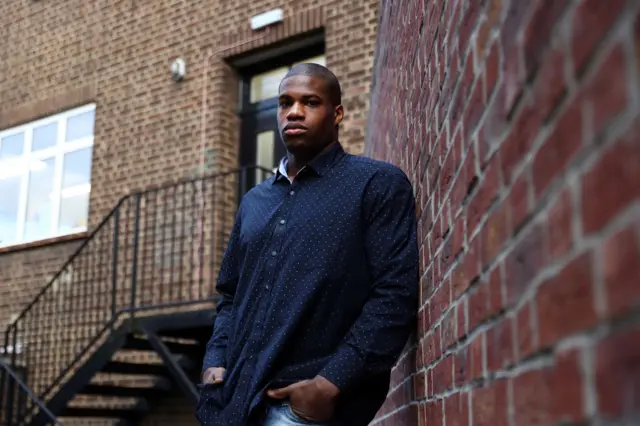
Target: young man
319, 283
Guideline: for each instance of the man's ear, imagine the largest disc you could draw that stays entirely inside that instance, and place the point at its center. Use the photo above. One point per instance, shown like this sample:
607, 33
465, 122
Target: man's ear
339, 115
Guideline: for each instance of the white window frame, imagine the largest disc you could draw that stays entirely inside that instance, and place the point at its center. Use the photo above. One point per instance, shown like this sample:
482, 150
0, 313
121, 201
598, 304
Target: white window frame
57, 152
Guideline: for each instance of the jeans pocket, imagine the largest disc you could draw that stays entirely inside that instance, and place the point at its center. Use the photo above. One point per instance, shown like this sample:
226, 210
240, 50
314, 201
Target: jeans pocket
297, 419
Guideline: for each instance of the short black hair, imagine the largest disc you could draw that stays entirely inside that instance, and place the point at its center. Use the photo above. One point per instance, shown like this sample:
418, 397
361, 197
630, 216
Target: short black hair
318, 71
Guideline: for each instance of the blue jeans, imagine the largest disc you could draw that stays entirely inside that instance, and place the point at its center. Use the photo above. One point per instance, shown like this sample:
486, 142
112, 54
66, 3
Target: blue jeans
282, 415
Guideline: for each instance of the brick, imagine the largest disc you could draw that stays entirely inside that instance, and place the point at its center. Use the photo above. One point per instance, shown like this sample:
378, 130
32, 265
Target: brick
500, 346
551, 84
496, 299
565, 303
567, 384
443, 375
435, 413
532, 398
479, 305
490, 21
449, 329
456, 408
492, 71
621, 253
560, 225
484, 197
464, 274
525, 333
617, 374
519, 141
558, 150
538, 30
618, 167
518, 202
419, 385
525, 262
477, 357
493, 236
461, 364
608, 91
490, 404
591, 21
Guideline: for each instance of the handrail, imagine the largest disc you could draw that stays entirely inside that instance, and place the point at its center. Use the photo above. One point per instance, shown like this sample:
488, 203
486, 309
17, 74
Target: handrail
157, 248
8, 421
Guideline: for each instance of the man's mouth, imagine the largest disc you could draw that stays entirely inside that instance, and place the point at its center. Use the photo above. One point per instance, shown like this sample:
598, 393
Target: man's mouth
295, 129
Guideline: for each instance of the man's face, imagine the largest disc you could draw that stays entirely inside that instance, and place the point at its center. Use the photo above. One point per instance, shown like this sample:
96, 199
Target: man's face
306, 117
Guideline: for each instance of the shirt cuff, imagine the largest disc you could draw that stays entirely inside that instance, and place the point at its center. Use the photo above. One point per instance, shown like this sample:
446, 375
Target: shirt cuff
345, 368
213, 358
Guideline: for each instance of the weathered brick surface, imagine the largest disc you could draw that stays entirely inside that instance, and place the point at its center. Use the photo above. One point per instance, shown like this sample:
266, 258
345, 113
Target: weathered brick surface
519, 125
58, 54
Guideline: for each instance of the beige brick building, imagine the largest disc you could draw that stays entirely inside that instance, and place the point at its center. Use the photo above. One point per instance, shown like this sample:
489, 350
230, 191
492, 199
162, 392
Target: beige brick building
89, 113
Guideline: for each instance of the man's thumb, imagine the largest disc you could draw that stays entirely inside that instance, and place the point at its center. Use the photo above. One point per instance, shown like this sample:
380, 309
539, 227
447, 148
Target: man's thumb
281, 393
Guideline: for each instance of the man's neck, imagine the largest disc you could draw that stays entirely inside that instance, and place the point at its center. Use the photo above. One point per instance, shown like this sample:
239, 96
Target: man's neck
296, 162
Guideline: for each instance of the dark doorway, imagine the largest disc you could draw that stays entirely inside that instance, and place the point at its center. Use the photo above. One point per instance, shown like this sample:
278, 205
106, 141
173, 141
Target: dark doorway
260, 142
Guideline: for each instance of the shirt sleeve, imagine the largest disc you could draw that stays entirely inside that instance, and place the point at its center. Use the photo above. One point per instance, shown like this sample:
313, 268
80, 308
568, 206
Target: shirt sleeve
377, 338
227, 282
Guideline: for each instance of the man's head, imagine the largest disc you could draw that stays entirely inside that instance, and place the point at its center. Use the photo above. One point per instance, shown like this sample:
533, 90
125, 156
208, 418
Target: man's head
309, 109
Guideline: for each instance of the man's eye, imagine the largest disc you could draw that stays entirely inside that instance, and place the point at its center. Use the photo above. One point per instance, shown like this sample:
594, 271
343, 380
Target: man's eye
313, 103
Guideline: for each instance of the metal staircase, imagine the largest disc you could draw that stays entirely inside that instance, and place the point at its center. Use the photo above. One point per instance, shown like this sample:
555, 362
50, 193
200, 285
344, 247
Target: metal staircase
13, 394
126, 319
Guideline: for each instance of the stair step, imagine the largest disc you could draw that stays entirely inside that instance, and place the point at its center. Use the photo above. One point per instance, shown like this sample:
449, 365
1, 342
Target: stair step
135, 343
201, 334
112, 413
161, 386
120, 367
135, 368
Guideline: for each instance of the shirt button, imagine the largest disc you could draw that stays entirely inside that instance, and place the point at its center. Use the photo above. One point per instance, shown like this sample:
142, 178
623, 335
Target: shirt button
273, 253
282, 222
292, 192
267, 286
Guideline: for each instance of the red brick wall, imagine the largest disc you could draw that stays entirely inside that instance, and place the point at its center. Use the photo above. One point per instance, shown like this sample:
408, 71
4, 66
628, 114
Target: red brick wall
518, 122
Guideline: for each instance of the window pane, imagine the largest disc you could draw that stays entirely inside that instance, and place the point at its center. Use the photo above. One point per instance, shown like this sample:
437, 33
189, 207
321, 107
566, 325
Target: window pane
265, 86
73, 212
12, 146
264, 151
80, 126
76, 168
44, 136
9, 199
39, 200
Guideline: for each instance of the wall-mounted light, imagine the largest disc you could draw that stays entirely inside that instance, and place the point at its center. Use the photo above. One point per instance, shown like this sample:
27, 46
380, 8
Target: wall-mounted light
178, 69
267, 18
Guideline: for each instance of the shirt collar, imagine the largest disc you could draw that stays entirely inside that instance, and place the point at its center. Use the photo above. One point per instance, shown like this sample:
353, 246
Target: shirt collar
320, 165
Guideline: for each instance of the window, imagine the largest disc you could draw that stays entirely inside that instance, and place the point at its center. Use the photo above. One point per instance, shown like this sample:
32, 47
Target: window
45, 177
265, 85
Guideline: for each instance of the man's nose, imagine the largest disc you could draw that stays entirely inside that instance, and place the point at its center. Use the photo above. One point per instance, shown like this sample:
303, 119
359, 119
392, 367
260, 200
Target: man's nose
295, 112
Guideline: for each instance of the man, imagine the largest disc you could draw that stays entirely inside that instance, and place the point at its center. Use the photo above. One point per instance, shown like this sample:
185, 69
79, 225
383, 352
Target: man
319, 282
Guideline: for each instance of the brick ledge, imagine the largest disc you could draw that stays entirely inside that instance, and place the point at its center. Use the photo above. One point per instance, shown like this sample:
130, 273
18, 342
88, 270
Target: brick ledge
43, 243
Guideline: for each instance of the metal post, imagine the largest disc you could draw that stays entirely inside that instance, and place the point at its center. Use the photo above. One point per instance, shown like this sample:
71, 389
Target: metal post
134, 264
114, 265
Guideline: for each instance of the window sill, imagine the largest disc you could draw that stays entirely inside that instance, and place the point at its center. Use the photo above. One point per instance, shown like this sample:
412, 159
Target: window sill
45, 242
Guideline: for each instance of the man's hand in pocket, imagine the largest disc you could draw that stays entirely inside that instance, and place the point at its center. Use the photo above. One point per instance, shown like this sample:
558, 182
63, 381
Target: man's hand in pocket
313, 400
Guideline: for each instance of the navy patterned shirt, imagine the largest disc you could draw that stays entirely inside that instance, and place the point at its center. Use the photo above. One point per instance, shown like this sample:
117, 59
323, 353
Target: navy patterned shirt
320, 277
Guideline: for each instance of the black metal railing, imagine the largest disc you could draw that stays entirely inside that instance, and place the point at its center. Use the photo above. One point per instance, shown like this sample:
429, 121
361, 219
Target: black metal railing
13, 396
158, 248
